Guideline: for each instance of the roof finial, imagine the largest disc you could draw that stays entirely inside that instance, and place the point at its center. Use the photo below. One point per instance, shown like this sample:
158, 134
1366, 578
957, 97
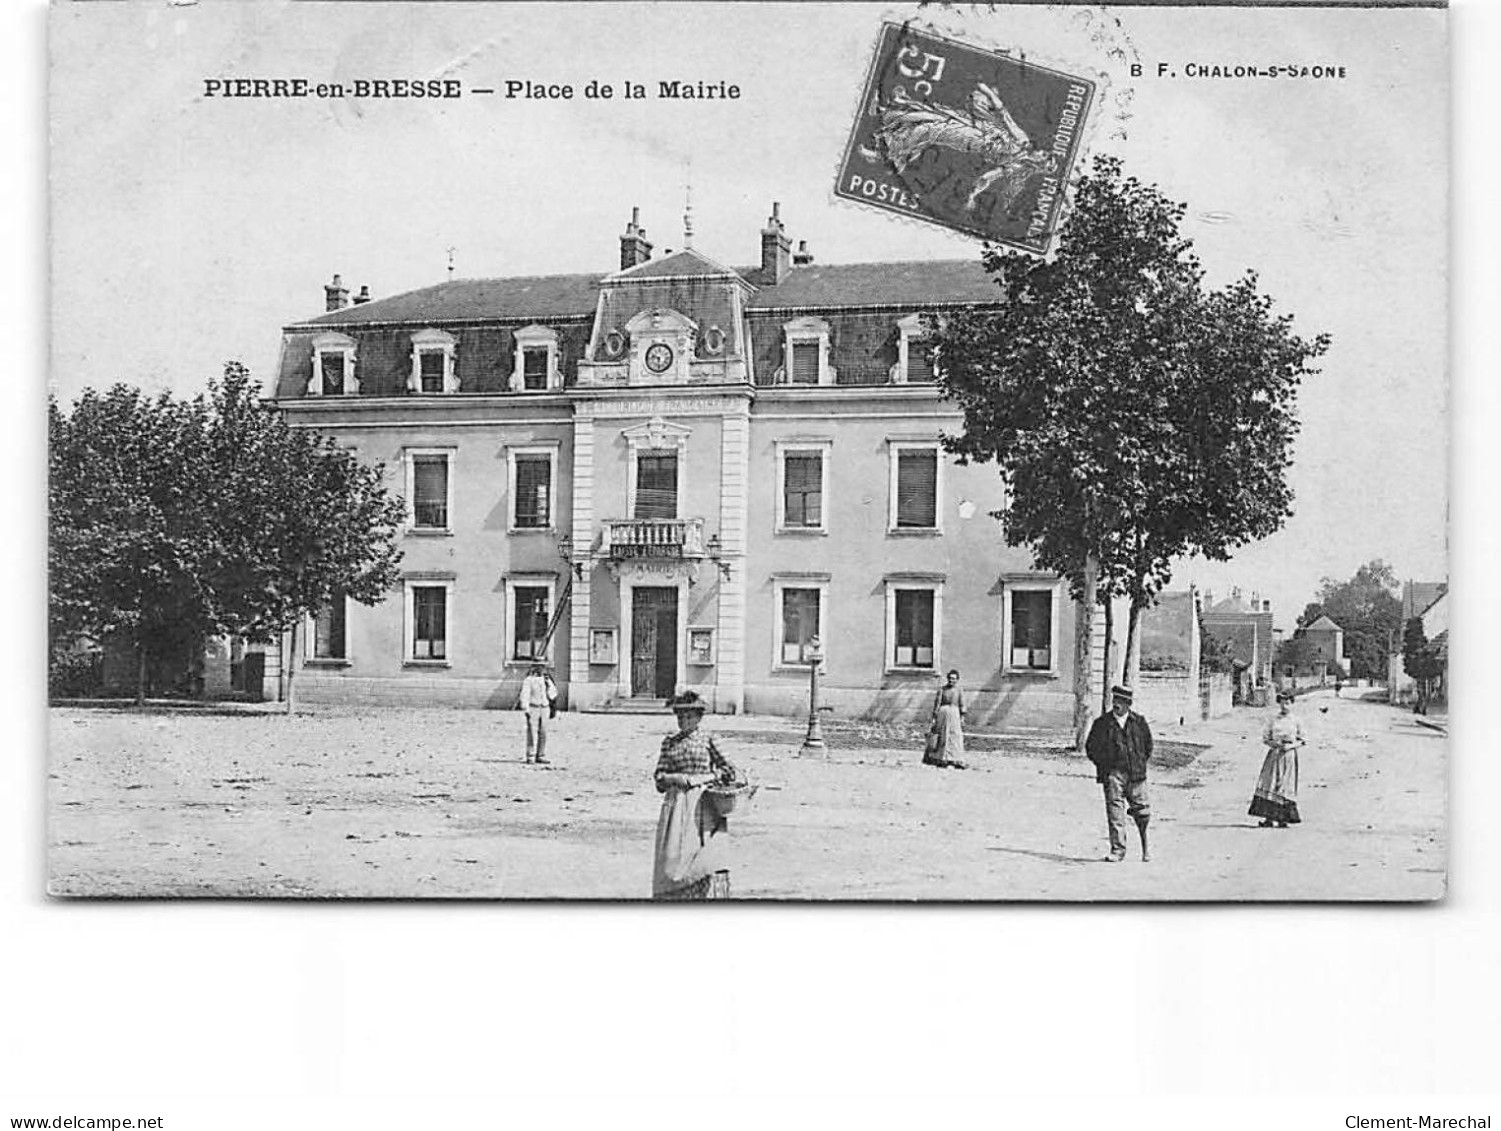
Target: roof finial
451, 250
688, 209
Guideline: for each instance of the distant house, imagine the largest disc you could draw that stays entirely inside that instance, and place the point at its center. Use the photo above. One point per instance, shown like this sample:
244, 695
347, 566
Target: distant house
1244, 626
1326, 648
1428, 600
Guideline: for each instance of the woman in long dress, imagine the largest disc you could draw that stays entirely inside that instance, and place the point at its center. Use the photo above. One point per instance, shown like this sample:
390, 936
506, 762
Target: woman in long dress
687, 864
1276, 797
945, 746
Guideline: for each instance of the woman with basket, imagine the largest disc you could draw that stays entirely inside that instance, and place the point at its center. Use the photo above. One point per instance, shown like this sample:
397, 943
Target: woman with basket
1276, 798
945, 742
689, 769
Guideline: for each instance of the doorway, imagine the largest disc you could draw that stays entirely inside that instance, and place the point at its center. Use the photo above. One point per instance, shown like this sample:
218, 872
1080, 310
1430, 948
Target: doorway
654, 641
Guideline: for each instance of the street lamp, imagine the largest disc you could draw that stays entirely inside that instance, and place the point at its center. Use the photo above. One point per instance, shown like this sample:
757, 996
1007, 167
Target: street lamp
813, 744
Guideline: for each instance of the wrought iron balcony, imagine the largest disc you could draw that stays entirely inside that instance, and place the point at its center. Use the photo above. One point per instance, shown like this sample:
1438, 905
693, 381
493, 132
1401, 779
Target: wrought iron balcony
653, 538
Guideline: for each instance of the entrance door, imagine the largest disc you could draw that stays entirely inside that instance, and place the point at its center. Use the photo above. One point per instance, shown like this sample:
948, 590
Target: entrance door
654, 641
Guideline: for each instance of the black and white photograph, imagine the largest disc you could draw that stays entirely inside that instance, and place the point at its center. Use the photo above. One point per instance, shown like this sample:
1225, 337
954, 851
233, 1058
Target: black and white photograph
962, 454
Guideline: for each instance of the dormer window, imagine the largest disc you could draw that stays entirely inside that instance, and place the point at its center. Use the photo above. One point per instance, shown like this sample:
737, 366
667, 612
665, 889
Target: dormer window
914, 353
805, 353
333, 366
535, 363
433, 369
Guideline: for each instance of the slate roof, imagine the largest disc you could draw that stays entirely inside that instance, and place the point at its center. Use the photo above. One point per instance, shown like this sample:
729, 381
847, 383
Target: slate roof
685, 262
1419, 596
1323, 624
530, 297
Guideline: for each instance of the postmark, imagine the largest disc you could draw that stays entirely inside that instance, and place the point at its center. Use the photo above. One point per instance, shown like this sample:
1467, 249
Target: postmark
968, 138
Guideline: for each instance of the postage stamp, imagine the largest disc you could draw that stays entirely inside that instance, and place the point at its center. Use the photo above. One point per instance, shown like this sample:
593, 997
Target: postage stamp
968, 138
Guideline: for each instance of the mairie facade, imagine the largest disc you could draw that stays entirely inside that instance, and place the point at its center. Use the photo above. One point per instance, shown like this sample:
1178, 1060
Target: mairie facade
674, 475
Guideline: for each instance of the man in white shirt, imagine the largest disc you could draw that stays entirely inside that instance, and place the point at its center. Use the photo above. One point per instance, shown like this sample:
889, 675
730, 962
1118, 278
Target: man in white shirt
537, 694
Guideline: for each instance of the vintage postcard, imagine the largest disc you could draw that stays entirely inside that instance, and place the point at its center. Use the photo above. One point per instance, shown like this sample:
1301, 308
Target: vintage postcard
758, 452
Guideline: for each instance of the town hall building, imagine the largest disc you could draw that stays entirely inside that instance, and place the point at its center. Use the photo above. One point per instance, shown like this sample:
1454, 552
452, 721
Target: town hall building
675, 475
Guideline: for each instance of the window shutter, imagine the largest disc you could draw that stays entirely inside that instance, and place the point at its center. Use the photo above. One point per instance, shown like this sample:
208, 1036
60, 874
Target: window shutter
333, 374
657, 486
534, 368
430, 490
919, 360
917, 489
533, 480
328, 631
432, 371
799, 623
803, 489
804, 363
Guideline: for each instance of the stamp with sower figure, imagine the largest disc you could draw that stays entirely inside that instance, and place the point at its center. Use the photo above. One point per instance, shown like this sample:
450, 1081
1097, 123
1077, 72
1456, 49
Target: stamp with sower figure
968, 138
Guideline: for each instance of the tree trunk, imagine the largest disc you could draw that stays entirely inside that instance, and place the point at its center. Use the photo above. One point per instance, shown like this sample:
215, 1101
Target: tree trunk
289, 664
1133, 647
1105, 660
1083, 673
140, 672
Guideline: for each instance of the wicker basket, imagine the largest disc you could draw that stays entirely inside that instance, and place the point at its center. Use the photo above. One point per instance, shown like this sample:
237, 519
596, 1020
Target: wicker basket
724, 799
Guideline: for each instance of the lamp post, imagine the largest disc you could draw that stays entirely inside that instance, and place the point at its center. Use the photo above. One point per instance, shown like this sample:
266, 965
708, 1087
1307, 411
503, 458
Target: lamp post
813, 744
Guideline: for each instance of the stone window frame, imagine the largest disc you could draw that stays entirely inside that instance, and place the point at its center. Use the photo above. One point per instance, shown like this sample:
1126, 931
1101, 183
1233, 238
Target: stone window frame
895, 584
431, 341
824, 447
910, 330
409, 585
1031, 584
803, 331
551, 451
782, 582
535, 336
894, 449
409, 458
331, 342
529, 580
657, 435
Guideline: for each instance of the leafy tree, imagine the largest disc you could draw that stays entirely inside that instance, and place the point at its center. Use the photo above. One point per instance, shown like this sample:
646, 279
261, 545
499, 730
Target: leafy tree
1369, 611
1136, 416
1215, 655
172, 520
1421, 659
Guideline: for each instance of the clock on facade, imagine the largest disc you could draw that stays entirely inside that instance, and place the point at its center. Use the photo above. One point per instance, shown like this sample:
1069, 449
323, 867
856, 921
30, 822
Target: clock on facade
658, 357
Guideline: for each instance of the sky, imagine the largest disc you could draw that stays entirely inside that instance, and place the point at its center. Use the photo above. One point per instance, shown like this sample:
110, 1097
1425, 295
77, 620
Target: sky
186, 230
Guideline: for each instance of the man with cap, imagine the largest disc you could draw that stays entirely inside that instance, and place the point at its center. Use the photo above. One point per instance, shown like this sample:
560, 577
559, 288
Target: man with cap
1120, 745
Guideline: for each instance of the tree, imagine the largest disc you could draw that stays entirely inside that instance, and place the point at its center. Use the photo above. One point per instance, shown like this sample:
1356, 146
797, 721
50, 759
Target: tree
1421, 659
1368, 610
1136, 416
173, 520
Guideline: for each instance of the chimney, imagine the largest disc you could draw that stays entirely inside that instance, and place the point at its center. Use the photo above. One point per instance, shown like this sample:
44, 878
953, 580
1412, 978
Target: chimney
363, 297
802, 256
336, 295
776, 248
634, 249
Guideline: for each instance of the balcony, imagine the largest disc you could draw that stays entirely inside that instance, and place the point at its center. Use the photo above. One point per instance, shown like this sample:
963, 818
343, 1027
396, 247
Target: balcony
625, 538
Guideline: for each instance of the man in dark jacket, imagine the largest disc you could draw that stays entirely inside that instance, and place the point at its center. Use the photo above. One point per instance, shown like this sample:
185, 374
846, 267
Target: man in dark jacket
1120, 745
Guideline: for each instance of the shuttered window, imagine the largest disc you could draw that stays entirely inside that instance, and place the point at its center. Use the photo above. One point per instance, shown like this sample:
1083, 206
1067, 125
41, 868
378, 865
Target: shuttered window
917, 488
656, 485
1031, 628
799, 623
533, 484
529, 634
919, 361
429, 622
432, 371
328, 632
430, 492
534, 368
802, 489
804, 363
914, 628
332, 365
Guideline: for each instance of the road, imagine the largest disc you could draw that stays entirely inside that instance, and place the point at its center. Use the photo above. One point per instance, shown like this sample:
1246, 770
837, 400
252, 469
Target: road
439, 804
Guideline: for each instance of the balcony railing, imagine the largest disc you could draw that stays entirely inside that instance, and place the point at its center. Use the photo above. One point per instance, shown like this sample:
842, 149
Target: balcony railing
654, 538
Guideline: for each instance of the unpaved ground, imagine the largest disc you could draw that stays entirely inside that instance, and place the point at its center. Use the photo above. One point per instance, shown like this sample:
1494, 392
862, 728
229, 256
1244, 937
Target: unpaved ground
439, 804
